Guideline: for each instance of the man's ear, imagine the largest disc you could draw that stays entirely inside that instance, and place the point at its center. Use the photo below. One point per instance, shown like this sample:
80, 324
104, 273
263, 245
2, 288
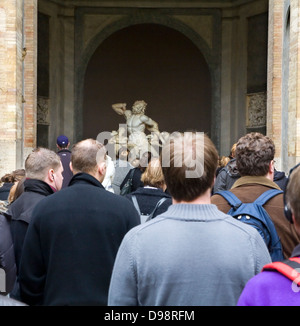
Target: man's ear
102, 168
50, 175
71, 167
272, 167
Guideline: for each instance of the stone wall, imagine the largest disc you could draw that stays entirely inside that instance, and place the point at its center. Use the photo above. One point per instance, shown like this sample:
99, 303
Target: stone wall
10, 85
17, 82
283, 81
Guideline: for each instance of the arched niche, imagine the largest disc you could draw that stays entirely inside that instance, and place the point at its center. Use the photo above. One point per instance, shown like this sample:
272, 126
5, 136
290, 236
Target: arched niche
211, 54
148, 62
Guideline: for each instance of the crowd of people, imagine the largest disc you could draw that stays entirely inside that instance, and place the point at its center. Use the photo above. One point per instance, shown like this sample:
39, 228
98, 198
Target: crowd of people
70, 235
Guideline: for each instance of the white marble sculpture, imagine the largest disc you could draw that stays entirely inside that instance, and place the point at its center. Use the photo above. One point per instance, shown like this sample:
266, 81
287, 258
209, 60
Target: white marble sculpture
137, 122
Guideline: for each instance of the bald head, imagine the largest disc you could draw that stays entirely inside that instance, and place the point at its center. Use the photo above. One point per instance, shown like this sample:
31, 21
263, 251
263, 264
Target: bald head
86, 156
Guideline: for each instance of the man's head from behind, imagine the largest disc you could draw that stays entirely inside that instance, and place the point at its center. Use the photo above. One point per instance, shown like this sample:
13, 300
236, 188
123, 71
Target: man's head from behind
89, 156
45, 165
254, 152
62, 141
189, 162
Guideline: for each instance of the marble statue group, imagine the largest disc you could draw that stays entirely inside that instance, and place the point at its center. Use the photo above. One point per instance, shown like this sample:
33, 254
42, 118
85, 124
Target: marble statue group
132, 135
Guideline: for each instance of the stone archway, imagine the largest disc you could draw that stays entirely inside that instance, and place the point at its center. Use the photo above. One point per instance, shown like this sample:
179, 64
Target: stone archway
148, 62
209, 48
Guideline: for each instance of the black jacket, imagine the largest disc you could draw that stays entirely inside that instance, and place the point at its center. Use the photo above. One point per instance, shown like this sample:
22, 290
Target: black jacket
227, 176
280, 179
7, 256
20, 212
4, 190
136, 179
147, 198
71, 244
65, 157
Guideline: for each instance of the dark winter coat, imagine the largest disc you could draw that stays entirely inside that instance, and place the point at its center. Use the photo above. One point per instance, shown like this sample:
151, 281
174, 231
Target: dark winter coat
136, 179
4, 190
20, 212
71, 244
147, 198
227, 176
65, 157
7, 257
280, 179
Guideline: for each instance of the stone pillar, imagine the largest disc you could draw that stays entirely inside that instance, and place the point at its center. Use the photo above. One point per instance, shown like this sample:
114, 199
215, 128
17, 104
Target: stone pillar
11, 13
30, 76
17, 82
274, 98
291, 21
69, 67
283, 82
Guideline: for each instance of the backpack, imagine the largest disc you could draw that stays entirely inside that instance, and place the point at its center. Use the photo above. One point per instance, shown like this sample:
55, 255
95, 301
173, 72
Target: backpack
289, 268
144, 217
127, 187
255, 215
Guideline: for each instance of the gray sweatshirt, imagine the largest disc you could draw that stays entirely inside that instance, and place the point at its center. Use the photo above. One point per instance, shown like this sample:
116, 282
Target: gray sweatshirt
190, 255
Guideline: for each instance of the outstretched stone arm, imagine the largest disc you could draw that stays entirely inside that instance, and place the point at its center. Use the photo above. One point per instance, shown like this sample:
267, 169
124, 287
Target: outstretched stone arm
119, 108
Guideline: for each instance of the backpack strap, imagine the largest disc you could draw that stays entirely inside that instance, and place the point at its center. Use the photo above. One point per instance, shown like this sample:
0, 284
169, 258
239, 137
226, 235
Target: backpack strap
289, 268
135, 203
232, 199
155, 208
267, 195
130, 176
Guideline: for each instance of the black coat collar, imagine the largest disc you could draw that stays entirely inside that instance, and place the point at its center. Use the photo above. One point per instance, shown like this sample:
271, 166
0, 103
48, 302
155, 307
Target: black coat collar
39, 186
85, 178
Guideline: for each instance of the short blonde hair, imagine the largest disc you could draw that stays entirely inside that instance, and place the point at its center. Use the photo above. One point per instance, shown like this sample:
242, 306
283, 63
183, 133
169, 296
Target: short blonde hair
232, 151
39, 161
153, 175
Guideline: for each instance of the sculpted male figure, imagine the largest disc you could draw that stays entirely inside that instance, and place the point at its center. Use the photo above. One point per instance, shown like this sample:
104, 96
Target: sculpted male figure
136, 119
137, 122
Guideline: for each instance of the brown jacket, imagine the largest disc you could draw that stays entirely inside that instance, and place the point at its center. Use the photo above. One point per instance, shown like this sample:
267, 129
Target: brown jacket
247, 189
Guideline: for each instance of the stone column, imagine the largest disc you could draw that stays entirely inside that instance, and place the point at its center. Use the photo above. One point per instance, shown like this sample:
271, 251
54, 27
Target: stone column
283, 82
11, 13
30, 76
291, 21
274, 95
17, 82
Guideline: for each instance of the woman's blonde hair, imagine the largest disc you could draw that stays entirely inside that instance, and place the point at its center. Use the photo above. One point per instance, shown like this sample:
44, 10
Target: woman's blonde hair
153, 175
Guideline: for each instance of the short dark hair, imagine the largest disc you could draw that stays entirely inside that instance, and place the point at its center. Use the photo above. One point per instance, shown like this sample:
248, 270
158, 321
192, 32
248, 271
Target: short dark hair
254, 152
192, 165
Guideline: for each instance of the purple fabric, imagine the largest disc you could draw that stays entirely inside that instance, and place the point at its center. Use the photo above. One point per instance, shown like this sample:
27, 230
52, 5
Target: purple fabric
270, 289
